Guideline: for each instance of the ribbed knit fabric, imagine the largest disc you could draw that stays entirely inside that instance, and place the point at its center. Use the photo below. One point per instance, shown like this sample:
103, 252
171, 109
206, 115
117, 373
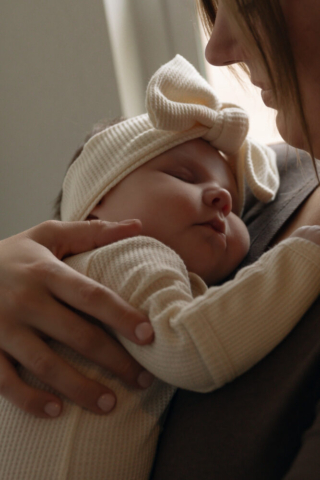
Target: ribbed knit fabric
181, 106
203, 339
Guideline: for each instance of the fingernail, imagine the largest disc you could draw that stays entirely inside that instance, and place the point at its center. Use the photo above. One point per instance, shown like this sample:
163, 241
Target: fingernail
53, 409
145, 379
128, 222
144, 331
106, 402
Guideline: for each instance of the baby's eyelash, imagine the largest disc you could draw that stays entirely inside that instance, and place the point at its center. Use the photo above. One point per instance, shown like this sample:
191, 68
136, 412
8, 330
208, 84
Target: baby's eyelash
183, 176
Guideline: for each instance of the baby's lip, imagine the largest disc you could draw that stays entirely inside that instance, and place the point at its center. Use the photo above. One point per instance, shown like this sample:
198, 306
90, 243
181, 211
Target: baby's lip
216, 224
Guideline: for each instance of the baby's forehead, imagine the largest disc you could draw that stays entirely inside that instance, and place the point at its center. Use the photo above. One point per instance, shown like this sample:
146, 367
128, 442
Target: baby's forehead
204, 162
197, 152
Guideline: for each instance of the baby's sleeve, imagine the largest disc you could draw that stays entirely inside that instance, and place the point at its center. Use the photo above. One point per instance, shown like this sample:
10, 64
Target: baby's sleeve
204, 342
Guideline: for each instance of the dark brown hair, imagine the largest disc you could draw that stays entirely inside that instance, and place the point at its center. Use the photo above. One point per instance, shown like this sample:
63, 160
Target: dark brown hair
97, 128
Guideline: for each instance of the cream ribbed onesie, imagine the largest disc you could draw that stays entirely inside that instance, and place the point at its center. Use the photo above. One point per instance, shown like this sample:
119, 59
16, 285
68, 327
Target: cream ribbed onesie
204, 337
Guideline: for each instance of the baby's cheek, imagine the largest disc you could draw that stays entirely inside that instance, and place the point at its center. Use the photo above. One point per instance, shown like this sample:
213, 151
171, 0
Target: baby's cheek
240, 239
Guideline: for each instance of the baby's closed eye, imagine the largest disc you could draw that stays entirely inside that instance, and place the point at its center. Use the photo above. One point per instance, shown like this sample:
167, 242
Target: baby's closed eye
182, 174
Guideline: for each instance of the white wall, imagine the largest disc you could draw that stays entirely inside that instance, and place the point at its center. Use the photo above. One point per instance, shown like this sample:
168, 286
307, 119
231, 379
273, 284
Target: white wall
57, 79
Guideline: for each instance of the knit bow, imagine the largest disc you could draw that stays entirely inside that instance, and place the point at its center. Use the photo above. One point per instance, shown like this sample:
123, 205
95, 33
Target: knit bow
178, 99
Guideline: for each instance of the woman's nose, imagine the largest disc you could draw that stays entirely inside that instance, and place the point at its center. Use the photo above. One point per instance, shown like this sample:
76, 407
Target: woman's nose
218, 198
223, 48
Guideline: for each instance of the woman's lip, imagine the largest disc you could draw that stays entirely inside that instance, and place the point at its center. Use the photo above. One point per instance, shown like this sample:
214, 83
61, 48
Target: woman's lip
268, 98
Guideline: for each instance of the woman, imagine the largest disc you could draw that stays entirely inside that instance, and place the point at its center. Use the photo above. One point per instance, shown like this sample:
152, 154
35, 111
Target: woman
277, 41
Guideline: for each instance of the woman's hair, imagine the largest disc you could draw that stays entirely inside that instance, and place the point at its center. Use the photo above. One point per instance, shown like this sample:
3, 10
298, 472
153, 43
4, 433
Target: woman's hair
97, 128
263, 22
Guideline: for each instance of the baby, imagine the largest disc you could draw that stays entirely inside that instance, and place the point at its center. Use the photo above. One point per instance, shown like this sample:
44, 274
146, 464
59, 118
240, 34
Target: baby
182, 169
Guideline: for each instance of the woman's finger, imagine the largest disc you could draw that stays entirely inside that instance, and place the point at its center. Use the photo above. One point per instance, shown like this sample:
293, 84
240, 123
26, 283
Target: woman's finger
39, 358
70, 238
55, 372
37, 402
97, 301
73, 288
82, 336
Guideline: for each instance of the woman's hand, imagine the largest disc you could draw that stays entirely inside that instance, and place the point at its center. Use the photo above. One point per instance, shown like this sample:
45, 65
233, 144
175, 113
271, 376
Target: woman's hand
36, 289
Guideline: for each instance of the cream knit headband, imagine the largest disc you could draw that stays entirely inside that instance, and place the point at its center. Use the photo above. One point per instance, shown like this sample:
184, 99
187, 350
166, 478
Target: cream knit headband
181, 106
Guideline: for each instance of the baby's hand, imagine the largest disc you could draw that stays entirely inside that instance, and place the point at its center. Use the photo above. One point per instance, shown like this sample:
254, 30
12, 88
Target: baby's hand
310, 232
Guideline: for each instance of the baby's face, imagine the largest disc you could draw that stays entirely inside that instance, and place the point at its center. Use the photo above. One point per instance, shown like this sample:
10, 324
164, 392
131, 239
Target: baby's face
186, 198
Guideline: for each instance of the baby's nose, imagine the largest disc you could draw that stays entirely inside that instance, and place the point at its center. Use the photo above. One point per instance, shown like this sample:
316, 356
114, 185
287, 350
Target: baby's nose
219, 198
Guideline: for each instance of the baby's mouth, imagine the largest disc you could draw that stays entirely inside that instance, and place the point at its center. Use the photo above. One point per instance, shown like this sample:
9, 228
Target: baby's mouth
216, 224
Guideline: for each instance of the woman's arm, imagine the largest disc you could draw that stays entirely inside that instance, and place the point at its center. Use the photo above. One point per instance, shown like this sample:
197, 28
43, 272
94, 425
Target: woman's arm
202, 343
36, 291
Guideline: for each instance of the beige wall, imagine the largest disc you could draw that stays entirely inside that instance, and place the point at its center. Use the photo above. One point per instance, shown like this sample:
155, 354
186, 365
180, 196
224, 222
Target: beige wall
56, 79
